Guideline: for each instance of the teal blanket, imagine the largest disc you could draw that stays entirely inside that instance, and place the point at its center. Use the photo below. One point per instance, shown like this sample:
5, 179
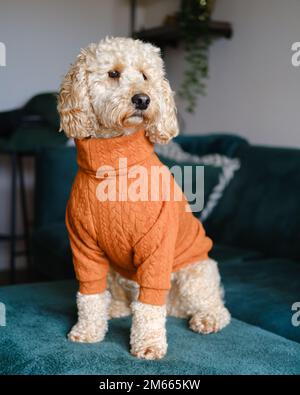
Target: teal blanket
39, 316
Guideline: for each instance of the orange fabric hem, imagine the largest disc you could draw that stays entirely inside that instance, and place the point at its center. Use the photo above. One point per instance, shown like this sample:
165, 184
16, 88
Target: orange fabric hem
181, 265
153, 296
92, 287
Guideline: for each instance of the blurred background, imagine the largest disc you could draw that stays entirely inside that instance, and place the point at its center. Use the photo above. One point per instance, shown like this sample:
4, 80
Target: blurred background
239, 78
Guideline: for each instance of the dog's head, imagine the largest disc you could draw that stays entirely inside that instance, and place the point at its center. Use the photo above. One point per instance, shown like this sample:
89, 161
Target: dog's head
116, 87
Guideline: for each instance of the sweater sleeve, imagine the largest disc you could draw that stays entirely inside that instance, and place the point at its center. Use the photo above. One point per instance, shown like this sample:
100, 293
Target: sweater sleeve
90, 263
154, 256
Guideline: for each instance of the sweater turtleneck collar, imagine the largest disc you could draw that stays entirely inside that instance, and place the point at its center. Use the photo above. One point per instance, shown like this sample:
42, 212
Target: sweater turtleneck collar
93, 153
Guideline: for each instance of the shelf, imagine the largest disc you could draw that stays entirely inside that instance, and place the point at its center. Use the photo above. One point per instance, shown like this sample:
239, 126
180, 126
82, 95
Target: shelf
171, 34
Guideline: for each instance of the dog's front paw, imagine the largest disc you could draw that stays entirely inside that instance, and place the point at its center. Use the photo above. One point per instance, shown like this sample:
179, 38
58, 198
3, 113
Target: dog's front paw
148, 337
210, 322
92, 318
152, 348
87, 333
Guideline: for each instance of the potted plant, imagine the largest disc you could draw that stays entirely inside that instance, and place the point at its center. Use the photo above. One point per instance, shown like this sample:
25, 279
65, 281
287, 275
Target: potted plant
194, 15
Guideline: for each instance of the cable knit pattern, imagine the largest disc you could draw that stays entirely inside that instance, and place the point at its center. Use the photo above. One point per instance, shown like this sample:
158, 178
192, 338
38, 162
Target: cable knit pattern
144, 241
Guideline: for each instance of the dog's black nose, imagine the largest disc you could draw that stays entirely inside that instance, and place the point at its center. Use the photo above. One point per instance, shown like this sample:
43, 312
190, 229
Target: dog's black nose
141, 101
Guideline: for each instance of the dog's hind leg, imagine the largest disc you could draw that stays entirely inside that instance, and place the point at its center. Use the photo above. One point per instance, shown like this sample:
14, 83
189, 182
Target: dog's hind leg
121, 293
201, 296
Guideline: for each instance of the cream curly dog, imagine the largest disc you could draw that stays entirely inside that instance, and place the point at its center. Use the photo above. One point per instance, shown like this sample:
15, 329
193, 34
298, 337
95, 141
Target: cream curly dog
145, 258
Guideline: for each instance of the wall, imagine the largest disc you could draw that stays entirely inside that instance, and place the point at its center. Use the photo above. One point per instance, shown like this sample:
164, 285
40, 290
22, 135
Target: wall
42, 37
253, 89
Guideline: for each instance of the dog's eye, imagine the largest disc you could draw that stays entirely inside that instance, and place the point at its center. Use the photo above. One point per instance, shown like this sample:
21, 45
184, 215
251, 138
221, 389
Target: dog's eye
145, 77
114, 74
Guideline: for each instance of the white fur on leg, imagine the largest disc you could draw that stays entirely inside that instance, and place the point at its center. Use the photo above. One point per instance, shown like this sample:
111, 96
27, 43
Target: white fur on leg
148, 337
92, 318
200, 296
118, 308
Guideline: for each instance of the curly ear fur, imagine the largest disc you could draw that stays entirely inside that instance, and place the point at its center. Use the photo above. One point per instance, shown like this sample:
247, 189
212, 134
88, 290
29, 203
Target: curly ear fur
166, 126
77, 118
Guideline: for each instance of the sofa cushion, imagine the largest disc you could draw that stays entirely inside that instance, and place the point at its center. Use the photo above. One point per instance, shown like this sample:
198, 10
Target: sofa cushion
39, 316
259, 208
192, 181
218, 172
262, 292
223, 253
52, 257
55, 171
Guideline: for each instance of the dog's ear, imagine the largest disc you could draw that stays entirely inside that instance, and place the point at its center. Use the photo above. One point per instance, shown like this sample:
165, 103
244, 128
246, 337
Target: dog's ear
166, 125
77, 119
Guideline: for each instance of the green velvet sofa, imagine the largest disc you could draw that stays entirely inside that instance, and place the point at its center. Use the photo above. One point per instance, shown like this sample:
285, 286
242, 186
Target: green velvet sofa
256, 230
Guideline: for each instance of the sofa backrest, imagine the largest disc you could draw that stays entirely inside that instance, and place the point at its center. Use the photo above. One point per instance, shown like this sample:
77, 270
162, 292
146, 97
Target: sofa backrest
55, 171
44, 105
260, 208
221, 143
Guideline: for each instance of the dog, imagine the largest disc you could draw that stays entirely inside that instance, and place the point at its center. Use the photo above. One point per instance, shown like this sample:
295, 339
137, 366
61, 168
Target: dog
145, 258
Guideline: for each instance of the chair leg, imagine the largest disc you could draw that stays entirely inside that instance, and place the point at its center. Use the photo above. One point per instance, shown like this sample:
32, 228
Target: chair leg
24, 212
13, 238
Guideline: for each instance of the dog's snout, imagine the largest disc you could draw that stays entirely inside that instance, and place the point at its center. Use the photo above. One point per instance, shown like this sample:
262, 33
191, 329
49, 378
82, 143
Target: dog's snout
141, 101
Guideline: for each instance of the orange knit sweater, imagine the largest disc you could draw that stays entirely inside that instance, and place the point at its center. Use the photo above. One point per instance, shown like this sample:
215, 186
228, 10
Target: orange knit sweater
143, 240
